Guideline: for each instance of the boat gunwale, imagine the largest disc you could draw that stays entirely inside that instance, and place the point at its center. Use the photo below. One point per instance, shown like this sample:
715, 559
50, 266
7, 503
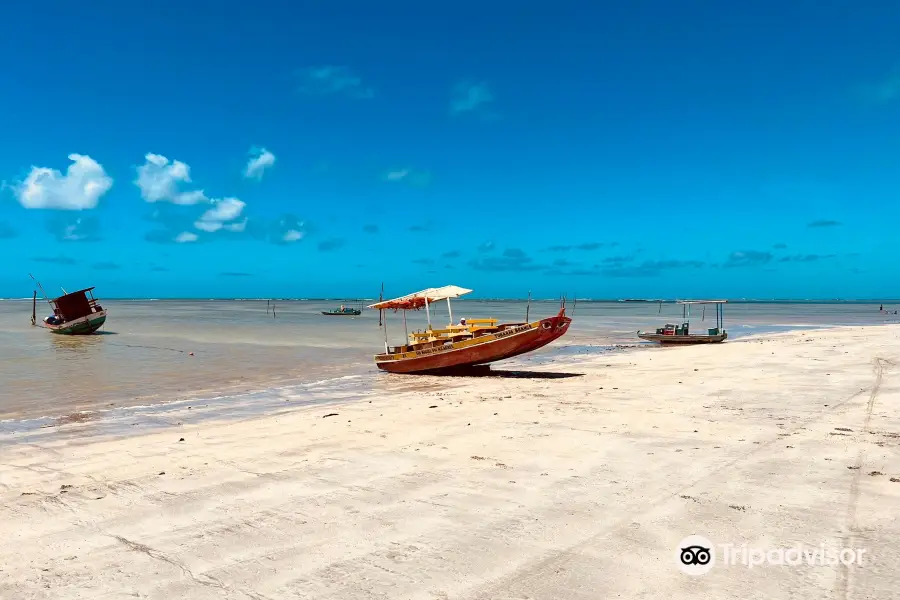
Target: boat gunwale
87, 321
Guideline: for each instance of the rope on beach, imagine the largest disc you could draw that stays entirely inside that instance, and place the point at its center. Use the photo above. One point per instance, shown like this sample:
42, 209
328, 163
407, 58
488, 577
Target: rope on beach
149, 347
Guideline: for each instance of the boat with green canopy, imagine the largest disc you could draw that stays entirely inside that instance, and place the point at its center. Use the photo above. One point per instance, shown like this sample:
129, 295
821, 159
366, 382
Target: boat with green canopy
343, 311
682, 334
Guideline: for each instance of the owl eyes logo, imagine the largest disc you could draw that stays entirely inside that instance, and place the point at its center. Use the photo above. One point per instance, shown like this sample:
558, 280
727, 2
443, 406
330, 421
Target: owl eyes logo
695, 555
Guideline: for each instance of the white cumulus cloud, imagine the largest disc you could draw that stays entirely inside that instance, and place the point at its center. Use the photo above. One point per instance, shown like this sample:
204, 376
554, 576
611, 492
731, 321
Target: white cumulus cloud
292, 235
159, 179
222, 211
237, 227
186, 237
80, 188
261, 159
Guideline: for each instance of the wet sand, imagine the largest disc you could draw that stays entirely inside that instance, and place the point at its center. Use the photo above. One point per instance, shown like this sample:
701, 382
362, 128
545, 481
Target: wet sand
577, 482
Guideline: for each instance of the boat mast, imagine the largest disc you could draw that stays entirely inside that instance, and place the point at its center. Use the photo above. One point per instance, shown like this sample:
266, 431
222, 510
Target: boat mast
43, 293
34, 309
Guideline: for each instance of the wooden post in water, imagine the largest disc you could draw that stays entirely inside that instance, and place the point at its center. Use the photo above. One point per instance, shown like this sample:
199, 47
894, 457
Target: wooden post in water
528, 306
380, 298
34, 309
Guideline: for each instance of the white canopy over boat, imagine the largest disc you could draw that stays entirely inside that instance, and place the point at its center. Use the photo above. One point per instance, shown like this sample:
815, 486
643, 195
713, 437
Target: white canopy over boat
423, 298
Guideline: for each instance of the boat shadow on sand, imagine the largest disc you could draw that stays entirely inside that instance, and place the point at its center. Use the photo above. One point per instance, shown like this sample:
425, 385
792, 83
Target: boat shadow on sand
487, 371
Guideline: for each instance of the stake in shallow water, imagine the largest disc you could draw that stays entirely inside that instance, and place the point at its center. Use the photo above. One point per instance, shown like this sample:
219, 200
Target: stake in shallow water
34, 300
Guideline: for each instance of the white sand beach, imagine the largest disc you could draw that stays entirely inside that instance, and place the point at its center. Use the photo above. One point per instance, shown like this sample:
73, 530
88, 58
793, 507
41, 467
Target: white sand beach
490, 488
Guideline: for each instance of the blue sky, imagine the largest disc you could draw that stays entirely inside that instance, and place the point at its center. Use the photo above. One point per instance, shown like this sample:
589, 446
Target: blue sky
648, 148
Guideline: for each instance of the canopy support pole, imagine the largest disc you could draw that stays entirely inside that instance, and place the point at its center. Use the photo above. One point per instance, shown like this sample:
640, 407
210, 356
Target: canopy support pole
385, 333
450, 310
405, 330
427, 313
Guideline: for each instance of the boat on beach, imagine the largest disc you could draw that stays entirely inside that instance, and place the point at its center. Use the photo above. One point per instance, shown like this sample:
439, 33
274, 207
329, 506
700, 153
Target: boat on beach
75, 313
681, 334
469, 343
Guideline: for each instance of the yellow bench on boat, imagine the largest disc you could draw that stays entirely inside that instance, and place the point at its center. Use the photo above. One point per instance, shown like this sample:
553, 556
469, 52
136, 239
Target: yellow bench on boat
436, 333
482, 322
471, 326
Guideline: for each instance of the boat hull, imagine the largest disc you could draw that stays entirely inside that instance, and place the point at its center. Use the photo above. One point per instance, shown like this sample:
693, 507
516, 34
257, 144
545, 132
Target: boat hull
83, 326
683, 340
341, 314
482, 350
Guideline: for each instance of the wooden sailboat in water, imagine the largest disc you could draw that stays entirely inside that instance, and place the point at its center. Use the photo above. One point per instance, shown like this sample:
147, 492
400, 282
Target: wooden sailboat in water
75, 313
469, 343
343, 311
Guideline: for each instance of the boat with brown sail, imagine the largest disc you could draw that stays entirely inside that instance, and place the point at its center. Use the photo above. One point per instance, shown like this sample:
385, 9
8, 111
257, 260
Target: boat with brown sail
74, 313
681, 334
469, 343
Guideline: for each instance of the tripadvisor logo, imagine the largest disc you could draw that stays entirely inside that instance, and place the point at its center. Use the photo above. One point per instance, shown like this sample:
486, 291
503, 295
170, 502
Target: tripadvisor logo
696, 555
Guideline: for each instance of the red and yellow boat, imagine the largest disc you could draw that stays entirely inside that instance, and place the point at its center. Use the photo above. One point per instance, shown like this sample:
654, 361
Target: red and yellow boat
469, 343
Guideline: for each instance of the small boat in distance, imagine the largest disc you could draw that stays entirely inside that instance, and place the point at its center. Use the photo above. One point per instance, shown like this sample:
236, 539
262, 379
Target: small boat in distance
76, 313
681, 334
343, 311
470, 343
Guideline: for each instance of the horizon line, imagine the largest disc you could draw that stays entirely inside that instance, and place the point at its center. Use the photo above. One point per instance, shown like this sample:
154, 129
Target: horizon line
486, 299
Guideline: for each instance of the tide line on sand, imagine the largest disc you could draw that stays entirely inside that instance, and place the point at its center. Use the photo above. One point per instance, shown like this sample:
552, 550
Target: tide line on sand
119, 420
